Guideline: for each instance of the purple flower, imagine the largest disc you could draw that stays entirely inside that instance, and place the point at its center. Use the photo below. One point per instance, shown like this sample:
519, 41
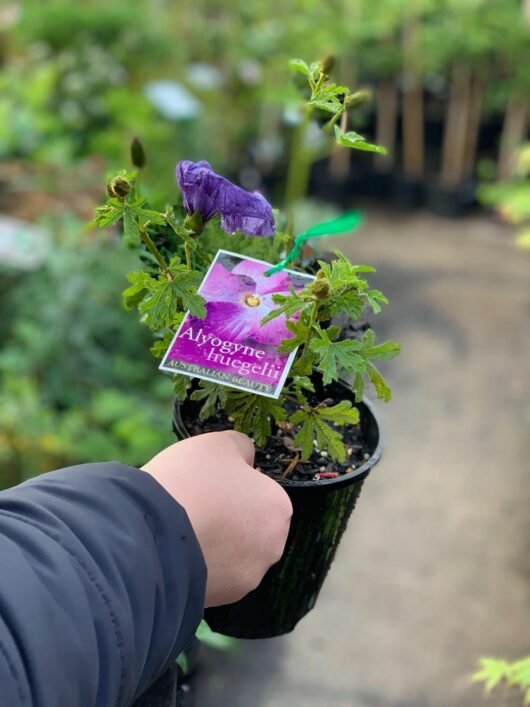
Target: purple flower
237, 301
209, 194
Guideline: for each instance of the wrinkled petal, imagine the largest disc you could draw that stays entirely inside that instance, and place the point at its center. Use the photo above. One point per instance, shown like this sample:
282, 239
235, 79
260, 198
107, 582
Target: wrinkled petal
223, 286
245, 212
207, 192
277, 282
197, 193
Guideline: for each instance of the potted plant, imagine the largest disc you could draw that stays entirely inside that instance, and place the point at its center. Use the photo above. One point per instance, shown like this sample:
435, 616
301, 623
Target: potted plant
314, 432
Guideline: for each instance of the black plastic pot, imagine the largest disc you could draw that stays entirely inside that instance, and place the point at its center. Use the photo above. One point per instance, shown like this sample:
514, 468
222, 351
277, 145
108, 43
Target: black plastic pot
450, 203
406, 193
321, 510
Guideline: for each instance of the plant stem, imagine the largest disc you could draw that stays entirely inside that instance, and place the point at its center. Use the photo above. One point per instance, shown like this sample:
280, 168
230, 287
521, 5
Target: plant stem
312, 321
152, 247
299, 165
187, 251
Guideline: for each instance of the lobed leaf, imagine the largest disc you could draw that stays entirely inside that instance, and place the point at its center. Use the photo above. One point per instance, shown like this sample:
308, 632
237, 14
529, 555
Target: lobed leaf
254, 413
214, 396
356, 141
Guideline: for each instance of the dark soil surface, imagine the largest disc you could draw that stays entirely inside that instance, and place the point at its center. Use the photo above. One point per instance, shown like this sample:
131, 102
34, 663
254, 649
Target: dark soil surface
280, 458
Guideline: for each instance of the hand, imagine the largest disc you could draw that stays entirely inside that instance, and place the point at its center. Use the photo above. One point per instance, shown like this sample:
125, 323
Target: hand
240, 516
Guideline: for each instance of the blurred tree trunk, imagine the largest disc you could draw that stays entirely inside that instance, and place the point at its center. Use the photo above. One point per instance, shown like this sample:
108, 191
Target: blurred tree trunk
515, 124
387, 106
513, 134
456, 125
413, 120
473, 127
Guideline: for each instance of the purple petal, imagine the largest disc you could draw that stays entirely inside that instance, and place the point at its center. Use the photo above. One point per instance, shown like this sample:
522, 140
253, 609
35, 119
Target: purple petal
232, 321
222, 286
197, 194
246, 212
205, 191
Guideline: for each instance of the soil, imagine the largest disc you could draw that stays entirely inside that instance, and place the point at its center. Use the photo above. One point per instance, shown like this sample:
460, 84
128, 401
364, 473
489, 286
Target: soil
280, 458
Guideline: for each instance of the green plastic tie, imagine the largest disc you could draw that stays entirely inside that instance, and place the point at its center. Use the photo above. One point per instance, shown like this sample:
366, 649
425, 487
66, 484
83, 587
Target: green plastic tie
343, 224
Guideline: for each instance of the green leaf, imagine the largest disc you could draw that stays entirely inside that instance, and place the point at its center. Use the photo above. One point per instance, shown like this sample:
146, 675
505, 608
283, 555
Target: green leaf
386, 350
254, 413
335, 357
140, 284
167, 296
328, 106
214, 396
184, 285
131, 230
492, 672
343, 413
108, 214
137, 206
301, 66
303, 365
180, 386
301, 333
375, 298
379, 383
300, 383
305, 435
356, 141
358, 387
288, 305
160, 346
313, 427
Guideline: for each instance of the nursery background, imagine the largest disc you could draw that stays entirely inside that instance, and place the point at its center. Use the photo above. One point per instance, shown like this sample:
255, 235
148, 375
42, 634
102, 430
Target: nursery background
434, 571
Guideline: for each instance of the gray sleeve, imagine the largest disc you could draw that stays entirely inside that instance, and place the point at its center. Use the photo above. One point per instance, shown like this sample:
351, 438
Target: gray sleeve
101, 583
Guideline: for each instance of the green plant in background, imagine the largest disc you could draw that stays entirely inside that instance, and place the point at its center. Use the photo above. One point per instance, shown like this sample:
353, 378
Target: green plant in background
495, 672
512, 198
75, 381
74, 83
334, 102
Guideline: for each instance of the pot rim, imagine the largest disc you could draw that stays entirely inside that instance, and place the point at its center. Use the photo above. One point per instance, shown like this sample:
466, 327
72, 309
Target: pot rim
341, 480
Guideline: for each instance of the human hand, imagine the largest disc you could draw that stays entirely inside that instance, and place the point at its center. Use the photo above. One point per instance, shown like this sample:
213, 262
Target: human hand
240, 516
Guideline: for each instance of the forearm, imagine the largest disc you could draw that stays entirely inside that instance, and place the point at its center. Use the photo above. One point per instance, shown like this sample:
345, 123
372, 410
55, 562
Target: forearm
101, 583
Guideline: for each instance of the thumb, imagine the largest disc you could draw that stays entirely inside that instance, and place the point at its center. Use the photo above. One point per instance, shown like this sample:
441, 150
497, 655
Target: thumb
244, 445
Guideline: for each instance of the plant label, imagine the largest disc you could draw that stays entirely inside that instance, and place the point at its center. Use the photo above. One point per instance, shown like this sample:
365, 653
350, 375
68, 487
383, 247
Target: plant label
231, 346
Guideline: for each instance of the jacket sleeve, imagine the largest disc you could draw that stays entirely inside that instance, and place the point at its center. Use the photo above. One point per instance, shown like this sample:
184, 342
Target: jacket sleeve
101, 583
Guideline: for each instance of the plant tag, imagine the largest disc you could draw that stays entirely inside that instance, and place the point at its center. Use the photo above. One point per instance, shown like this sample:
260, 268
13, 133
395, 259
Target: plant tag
230, 346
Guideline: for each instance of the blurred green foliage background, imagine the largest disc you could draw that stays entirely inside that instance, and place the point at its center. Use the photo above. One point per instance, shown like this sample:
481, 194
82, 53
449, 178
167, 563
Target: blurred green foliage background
203, 79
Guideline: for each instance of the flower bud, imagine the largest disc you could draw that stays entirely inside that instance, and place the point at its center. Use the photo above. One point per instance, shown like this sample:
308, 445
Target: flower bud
119, 187
320, 289
326, 64
137, 154
353, 100
321, 275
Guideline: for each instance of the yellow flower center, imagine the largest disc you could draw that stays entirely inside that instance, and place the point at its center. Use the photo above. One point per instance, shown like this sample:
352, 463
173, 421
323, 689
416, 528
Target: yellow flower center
252, 301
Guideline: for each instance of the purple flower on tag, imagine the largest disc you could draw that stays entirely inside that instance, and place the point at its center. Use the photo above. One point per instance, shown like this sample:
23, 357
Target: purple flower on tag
237, 301
208, 193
